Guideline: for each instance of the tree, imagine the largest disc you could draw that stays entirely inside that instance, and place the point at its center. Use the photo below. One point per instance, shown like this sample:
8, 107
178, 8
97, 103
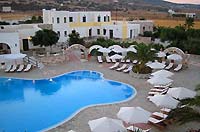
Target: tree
189, 23
197, 87
40, 19
4, 23
184, 115
187, 110
148, 34
74, 38
143, 55
34, 19
45, 37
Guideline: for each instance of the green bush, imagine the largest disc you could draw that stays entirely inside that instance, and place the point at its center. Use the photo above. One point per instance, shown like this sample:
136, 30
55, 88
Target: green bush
187, 39
109, 42
158, 47
141, 70
148, 34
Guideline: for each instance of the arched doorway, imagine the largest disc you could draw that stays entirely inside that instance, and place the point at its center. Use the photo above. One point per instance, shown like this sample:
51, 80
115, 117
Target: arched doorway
4, 49
82, 49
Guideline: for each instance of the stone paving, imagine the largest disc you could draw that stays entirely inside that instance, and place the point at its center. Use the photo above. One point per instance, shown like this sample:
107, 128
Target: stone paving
188, 78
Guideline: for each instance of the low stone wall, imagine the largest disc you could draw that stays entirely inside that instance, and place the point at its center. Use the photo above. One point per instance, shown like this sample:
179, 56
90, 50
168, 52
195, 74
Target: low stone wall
54, 59
139, 76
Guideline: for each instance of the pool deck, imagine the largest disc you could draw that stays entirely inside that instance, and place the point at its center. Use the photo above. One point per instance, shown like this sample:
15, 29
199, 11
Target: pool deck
187, 78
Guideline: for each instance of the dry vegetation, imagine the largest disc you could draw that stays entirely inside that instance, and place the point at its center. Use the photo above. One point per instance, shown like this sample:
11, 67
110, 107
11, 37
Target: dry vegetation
160, 19
19, 15
173, 23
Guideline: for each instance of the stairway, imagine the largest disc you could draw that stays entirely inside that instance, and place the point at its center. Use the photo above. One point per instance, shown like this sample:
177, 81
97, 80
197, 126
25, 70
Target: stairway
33, 61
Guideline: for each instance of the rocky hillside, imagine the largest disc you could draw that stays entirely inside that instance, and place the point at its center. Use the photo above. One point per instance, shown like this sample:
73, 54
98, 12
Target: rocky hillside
124, 5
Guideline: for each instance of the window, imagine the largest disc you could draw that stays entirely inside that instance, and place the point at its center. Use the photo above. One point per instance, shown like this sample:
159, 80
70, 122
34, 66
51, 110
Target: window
108, 18
144, 28
52, 20
104, 31
74, 31
84, 19
104, 18
70, 19
98, 31
99, 19
65, 20
58, 32
65, 33
58, 20
111, 34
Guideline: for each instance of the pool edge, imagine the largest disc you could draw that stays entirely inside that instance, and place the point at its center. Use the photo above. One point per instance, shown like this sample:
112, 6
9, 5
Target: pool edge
90, 106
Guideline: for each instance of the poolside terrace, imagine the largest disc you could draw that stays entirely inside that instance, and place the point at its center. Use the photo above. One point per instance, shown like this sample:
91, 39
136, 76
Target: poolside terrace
188, 78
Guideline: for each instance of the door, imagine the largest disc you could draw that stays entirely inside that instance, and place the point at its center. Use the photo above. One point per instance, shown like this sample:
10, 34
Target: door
25, 45
90, 32
111, 33
131, 33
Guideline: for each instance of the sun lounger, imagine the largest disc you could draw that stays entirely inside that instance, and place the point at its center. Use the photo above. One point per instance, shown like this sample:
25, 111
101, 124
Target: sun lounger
135, 129
154, 120
165, 110
157, 122
169, 66
179, 67
113, 60
158, 89
155, 93
8, 67
122, 68
135, 61
56, 54
122, 61
108, 59
128, 61
147, 130
164, 91
151, 94
99, 58
21, 67
13, 68
115, 65
163, 86
128, 69
28, 68
160, 115
41, 55
163, 62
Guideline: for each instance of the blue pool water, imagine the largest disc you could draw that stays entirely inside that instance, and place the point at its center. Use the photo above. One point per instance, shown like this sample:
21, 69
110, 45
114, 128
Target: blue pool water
27, 105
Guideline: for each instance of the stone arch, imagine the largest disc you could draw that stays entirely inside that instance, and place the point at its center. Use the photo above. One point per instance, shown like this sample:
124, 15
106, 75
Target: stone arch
94, 47
175, 50
179, 52
80, 47
5, 48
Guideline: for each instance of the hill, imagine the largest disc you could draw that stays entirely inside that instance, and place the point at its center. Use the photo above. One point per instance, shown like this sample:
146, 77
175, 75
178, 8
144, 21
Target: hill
157, 5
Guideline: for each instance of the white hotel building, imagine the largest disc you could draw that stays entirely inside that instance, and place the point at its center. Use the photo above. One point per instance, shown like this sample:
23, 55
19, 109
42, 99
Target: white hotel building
87, 24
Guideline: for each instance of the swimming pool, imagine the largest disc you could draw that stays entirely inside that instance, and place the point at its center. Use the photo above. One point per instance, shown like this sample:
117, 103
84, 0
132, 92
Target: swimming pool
27, 105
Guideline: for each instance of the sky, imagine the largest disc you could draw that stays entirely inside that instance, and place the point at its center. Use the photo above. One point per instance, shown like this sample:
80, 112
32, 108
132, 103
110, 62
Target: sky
185, 1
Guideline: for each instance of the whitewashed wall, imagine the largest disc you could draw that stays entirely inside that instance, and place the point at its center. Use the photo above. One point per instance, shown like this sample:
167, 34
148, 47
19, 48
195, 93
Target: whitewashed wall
12, 39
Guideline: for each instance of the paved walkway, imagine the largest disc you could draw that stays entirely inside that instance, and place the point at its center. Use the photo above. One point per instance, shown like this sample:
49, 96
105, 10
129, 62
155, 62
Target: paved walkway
188, 78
